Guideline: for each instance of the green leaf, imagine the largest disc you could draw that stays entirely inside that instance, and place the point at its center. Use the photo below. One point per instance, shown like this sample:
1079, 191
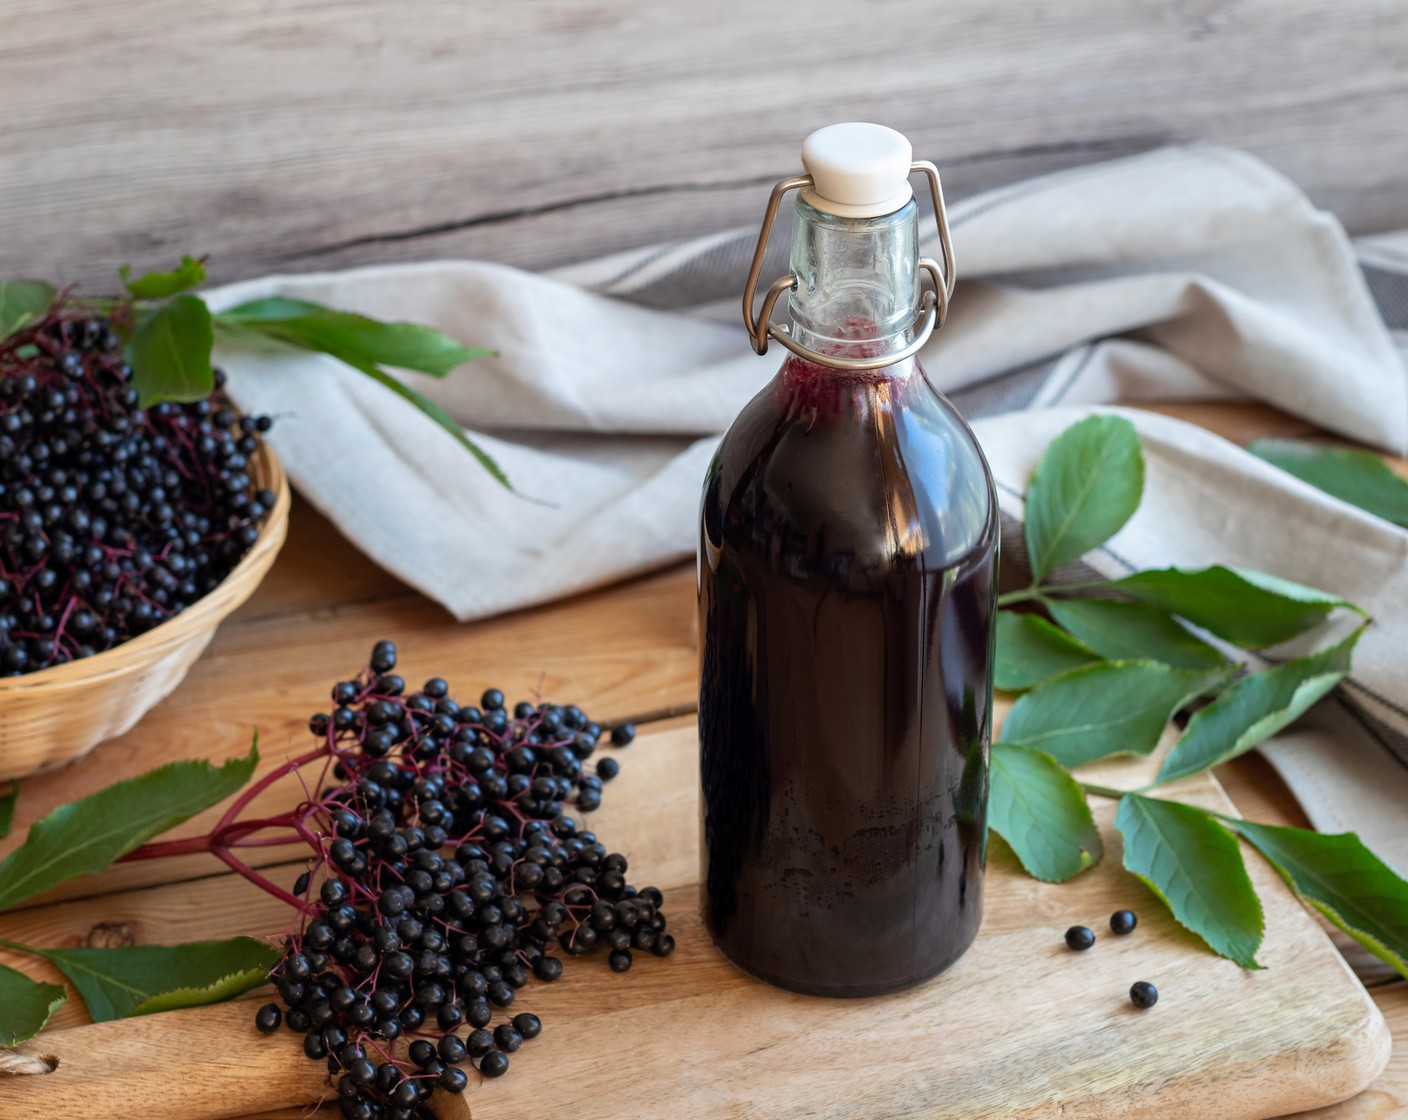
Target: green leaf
1123, 631
23, 302
1254, 708
170, 353
1087, 485
25, 1005
1114, 707
1195, 866
1343, 880
1249, 608
140, 979
355, 339
190, 273
7, 809
1360, 478
1041, 811
1030, 649
85, 836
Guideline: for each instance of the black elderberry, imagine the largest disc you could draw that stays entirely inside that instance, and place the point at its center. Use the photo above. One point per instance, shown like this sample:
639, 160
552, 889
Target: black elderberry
528, 1025
507, 1038
478, 1013
449, 1016
268, 1017
452, 1050
1123, 922
548, 968
623, 734
405, 1095
620, 960
361, 1072
388, 1076
421, 1051
479, 1042
1143, 995
1080, 938
494, 1064
453, 1080
501, 994
383, 658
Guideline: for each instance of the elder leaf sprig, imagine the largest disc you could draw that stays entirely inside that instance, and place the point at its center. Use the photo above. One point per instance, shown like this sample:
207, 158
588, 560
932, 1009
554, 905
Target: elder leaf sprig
169, 333
1103, 665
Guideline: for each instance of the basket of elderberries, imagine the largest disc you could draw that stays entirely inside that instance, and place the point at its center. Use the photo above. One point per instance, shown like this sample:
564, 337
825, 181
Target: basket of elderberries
138, 507
126, 534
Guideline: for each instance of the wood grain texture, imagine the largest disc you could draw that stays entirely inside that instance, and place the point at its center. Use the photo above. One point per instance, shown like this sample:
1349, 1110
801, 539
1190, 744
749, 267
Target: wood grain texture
1028, 1027
296, 135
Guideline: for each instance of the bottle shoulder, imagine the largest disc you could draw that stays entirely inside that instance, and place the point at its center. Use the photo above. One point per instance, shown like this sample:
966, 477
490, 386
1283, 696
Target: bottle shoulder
879, 469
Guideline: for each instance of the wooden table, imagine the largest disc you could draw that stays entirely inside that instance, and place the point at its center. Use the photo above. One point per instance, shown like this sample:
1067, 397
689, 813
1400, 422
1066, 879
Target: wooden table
625, 652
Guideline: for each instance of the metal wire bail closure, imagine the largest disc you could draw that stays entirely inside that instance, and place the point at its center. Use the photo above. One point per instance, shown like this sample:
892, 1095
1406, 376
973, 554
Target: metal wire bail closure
933, 305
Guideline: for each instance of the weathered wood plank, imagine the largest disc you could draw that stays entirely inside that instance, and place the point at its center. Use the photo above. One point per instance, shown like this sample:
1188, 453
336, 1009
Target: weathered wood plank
303, 135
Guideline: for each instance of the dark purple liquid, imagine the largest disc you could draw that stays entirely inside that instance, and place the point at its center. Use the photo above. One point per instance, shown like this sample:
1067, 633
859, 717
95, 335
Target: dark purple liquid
847, 574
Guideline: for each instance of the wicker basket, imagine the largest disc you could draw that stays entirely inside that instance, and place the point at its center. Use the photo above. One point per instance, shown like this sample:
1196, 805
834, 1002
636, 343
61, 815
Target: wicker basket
61, 713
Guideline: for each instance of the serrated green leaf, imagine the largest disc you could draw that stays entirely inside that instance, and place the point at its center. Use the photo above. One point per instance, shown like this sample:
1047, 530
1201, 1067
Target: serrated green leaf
1123, 631
23, 302
1250, 608
1254, 708
170, 353
1195, 867
354, 339
85, 836
1041, 811
1343, 880
25, 1005
7, 809
141, 979
1360, 478
1030, 650
1114, 707
1087, 485
190, 273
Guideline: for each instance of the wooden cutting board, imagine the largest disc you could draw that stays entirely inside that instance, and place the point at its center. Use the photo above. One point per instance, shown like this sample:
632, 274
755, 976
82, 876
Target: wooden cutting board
1021, 1027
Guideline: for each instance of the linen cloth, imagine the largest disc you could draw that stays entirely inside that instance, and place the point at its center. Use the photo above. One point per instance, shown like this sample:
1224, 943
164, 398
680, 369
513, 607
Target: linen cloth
1187, 273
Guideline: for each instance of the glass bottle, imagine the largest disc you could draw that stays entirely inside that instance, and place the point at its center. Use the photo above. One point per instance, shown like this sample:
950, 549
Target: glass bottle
847, 579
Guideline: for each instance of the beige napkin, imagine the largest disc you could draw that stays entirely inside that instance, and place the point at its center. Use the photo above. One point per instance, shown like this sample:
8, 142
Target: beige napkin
1186, 273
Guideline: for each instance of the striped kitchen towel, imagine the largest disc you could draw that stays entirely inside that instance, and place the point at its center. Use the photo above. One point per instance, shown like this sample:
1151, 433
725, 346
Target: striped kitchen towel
1188, 273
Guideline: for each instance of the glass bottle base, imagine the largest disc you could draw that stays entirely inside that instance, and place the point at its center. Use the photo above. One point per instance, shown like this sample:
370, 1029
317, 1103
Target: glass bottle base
843, 991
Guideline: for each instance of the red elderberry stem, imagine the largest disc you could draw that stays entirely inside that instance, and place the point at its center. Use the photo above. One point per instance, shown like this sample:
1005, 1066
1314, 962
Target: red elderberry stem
264, 783
242, 868
163, 848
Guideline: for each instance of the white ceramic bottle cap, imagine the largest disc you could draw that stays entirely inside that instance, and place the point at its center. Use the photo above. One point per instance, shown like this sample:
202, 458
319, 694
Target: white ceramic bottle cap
858, 170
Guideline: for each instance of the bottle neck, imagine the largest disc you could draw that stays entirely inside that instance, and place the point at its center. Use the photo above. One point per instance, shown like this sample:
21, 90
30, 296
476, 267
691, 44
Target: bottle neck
857, 290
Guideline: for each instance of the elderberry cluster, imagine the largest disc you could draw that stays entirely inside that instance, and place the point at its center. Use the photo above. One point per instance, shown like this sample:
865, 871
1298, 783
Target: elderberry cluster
450, 872
113, 517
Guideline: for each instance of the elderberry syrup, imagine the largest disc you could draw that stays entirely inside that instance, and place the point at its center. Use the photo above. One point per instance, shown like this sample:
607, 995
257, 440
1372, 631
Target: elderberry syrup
847, 581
